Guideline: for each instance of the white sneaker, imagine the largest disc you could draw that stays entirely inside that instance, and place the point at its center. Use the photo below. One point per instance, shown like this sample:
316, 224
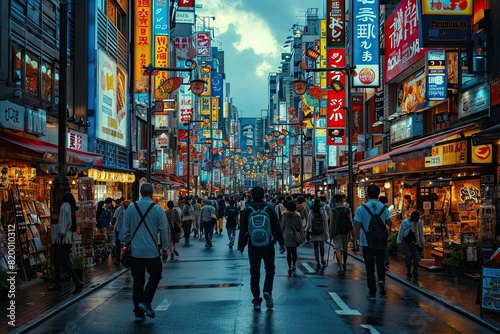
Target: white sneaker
269, 300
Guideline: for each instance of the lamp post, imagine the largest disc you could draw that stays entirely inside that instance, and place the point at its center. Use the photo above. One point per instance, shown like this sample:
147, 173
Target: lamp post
196, 86
300, 87
61, 181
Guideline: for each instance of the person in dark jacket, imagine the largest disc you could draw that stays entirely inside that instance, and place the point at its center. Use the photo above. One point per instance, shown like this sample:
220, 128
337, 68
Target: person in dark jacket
291, 222
258, 253
231, 213
221, 207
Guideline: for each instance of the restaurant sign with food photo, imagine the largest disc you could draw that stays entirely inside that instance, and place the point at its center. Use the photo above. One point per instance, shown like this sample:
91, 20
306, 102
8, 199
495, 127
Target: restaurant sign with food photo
111, 105
411, 93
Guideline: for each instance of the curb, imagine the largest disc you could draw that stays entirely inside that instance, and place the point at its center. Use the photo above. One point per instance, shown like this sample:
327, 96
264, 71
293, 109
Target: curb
437, 298
56, 309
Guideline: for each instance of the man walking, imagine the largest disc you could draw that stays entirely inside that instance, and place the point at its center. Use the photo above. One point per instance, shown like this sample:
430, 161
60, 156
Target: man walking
262, 251
231, 214
208, 219
372, 256
143, 220
340, 230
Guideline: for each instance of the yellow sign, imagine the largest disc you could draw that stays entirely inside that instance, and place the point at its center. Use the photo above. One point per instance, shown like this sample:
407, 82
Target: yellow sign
205, 73
482, 154
142, 44
449, 154
161, 60
215, 109
464, 7
205, 106
322, 48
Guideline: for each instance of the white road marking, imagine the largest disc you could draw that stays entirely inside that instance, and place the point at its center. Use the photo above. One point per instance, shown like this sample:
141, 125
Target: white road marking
164, 305
310, 270
345, 310
371, 329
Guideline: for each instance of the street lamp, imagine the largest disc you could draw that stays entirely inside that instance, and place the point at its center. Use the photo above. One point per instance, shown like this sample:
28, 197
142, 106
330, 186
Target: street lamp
300, 87
196, 86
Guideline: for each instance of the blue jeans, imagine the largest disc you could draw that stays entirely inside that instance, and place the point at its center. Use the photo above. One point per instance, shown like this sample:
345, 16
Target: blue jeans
256, 255
138, 269
374, 257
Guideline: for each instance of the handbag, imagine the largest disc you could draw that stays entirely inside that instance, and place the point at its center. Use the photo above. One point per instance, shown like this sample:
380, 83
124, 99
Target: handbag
297, 236
126, 259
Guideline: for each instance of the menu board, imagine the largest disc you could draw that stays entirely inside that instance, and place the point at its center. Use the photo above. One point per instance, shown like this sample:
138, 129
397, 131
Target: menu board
490, 292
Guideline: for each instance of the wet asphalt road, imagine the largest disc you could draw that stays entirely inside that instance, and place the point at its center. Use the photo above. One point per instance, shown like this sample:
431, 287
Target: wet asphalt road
207, 291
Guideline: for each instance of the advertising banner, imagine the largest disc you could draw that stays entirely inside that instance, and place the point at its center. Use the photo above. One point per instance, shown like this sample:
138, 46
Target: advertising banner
205, 75
336, 100
161, 14
357, 116
186, 4
320, 139
111, 103
161, 60
142, 44
366, 43
446, 22
215, 109
402, 39
203, 44
205, 106
411, 93
335, 24
474, 100
185, 98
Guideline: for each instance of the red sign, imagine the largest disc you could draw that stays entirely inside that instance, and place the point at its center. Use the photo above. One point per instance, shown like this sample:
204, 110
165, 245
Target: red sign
402, 39
357, 116
336, 101
203, 44
335, 25
186, 3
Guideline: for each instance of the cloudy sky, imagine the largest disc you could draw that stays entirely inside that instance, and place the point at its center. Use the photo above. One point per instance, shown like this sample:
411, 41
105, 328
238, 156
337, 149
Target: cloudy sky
252, 34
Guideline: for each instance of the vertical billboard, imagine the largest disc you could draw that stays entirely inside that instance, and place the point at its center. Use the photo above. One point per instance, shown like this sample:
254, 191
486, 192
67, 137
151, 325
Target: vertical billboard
336, 100
335, 25
402, 39
437, 87
205, 75
185, 97
203, 44
111, 103
142, 44
366, 43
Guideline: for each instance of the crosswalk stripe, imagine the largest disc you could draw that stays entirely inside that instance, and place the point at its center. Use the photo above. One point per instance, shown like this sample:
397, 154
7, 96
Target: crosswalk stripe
370, 328
345, 310
309, 269
164, 305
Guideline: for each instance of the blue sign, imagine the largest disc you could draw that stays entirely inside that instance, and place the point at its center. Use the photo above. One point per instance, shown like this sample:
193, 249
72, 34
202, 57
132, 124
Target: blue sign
449, 30
161, 16
366, 43
437, 75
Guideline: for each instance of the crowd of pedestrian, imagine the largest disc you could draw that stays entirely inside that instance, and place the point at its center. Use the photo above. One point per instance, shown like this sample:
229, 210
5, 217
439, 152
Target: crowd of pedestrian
263, 221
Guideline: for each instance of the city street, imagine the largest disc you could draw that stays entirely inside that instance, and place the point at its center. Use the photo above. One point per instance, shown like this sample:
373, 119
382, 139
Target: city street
207, 291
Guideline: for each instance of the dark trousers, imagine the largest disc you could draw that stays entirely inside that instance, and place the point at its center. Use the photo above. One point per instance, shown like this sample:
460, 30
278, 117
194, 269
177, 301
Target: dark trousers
138, 269
186, 226
256, 255
61, 259
374, 257
118, 247
291, 256
208, 227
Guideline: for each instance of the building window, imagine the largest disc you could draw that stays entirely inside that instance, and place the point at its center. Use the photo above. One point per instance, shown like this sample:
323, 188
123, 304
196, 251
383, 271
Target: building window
111, 11
17, 57
47, 74
34, 11
32, 73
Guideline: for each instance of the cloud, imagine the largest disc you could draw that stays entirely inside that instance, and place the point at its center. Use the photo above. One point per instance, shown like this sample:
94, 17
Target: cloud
263, 69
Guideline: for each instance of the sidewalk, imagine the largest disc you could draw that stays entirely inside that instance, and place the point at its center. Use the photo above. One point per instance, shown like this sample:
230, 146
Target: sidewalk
457, 293
34, 302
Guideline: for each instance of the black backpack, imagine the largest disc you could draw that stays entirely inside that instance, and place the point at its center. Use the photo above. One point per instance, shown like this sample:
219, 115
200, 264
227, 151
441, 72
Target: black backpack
345, 225
377, 234
317, 224
410, 237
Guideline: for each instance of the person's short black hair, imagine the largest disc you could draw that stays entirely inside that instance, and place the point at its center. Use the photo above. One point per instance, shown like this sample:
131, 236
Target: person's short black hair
337, 198
108, 200
170, 204
322, 198
383, 200
231, 202
373, 191
415, 216
146, 189
301, 199
291, 206
257, 193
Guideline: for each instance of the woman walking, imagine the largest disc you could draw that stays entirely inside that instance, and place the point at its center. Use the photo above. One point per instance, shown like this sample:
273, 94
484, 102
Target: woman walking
411, 234
61, 238
291, 223
174, 219
317, 225
196, 216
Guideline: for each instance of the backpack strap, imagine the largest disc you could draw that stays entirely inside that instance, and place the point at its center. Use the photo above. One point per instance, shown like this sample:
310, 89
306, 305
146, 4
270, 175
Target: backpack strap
143, 220
371, 215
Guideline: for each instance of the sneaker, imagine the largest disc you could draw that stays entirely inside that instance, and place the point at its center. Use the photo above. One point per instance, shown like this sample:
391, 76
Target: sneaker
269, 300
341, 272
290, 272
146, 309
383, 291
256, 304
176, 253
293, 268
140, 317
371, 297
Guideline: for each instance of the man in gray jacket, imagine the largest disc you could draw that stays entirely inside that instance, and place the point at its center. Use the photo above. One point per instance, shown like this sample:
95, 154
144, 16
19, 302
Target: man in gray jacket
142, 222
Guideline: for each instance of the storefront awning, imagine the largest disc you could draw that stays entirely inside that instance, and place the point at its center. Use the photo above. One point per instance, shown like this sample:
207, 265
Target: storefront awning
487, 136
421, 148
47, 152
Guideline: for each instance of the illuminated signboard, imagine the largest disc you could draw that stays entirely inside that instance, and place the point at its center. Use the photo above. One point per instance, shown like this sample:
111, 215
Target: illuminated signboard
336, 101
474, 100
142, 44
402, 39
448, 154
335, 36
437, 87
412, 93
161, 60
366, 43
